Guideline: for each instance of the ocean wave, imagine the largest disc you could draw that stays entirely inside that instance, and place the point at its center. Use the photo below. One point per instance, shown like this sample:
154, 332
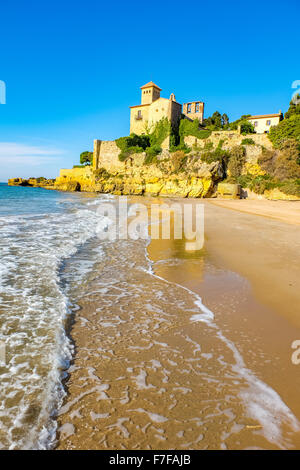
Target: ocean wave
33, 312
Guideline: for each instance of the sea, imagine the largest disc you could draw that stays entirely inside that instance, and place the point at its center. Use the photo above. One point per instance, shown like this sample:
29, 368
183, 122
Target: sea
39, 231
51, 256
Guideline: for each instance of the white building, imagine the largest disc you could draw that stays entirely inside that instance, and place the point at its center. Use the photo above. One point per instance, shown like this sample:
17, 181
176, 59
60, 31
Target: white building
262, 123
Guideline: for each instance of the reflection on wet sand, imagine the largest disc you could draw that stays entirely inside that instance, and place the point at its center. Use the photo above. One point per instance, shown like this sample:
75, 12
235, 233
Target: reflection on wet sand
153, 370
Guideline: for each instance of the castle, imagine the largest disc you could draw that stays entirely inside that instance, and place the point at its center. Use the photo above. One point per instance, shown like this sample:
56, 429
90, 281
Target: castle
153, 108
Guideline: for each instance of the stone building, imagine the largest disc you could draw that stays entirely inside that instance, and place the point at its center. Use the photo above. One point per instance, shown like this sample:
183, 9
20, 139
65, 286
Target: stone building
152, 109
262, 123
193, 110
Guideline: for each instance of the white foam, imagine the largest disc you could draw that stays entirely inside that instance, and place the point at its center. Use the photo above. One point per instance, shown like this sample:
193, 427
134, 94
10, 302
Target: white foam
35, 307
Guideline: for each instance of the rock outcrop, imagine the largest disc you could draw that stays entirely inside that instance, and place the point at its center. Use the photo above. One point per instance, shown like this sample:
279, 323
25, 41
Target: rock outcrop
137, 178
33, 182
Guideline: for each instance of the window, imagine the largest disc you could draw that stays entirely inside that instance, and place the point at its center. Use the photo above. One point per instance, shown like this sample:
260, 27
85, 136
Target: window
139, 115
268, 123
197, 107
189, 108
255, 123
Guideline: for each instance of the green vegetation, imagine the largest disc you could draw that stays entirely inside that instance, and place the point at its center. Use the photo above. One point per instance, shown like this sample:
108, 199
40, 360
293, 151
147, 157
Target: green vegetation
151, 154
294, 107
248, 141
282, 167
257, 184
235, 124
217, 121
161, 131
286, 129
217, 155
101, 173
187, 128
236, 161
151, 144
282, 164
132, 144
79, 166
178, 161
86, 158
260, 184
246, 126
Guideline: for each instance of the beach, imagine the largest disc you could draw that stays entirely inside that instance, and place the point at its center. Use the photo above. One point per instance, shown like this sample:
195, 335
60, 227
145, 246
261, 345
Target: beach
175, 350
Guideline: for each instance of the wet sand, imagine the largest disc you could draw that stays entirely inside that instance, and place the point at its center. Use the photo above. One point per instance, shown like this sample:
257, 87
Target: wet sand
146, 376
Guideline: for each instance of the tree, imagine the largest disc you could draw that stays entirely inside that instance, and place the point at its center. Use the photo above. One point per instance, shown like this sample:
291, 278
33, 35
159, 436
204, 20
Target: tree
294, 107
86, 158
225, 120
216, 121
246, 127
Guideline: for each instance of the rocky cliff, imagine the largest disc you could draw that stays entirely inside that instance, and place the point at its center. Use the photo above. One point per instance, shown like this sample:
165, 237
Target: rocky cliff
187, 174
165, 177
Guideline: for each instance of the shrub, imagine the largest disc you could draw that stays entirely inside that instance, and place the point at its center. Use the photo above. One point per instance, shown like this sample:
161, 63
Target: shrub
178, 160
287, 162
248, 141
217, 155
182, 147
187, 128
246, 127
286, 129
79, 166
262, 183
132, 144
101, 173
236, 161
209, 146
291, 187
235, 124
267, 160
151, 153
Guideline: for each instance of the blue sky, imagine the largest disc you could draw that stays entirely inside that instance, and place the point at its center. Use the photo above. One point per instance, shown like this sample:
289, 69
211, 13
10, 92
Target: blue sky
73, 68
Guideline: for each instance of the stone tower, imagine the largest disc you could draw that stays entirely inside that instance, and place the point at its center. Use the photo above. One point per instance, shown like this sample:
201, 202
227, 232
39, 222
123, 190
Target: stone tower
150, 93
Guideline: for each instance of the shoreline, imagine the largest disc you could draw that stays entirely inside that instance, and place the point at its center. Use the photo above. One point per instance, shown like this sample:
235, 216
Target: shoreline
205, 284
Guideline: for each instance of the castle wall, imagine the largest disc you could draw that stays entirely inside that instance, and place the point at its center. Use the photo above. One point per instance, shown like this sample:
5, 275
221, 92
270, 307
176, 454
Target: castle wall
193, 114
107, 156
230, 139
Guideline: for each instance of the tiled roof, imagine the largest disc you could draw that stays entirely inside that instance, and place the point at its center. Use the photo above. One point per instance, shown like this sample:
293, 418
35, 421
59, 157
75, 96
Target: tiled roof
259, 116
149, 84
